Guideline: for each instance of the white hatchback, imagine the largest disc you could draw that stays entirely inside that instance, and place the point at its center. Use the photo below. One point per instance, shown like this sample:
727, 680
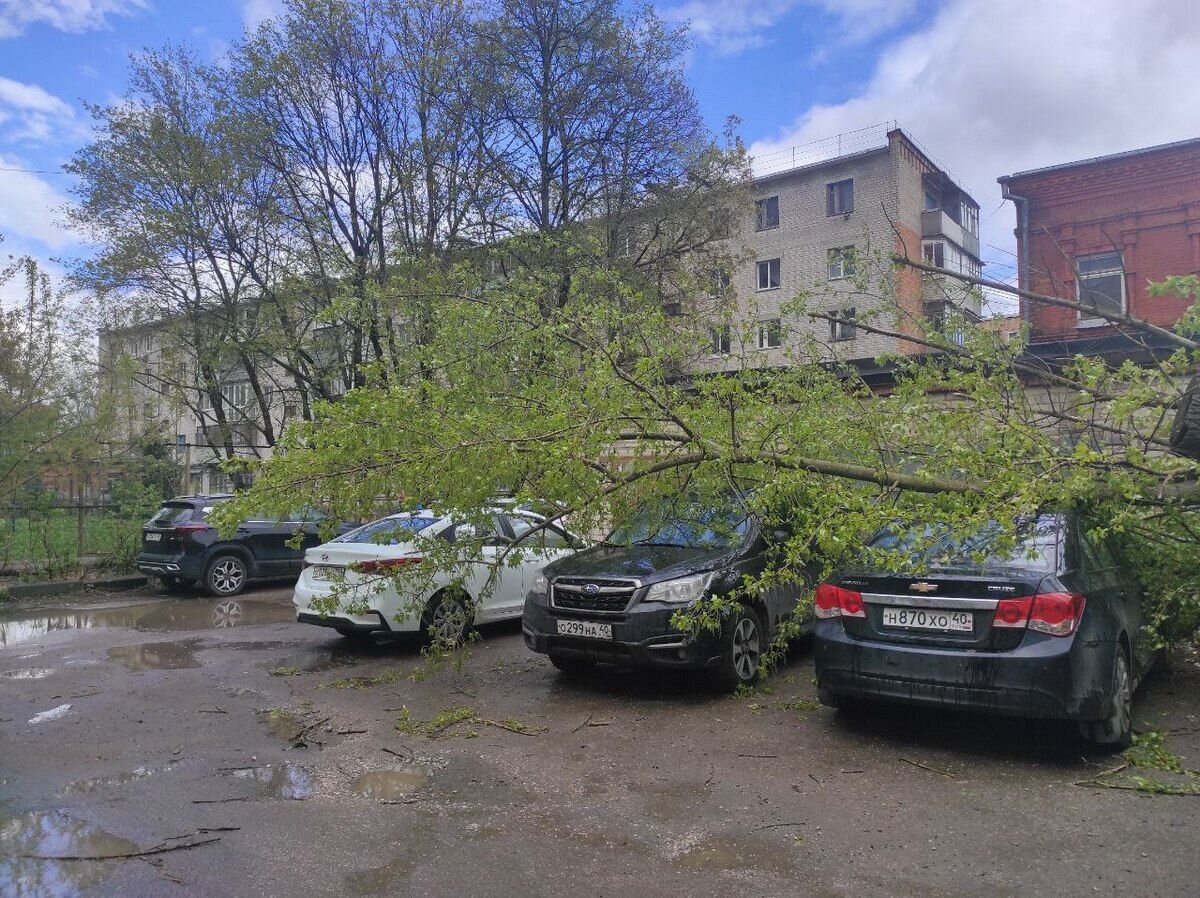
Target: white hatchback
346, 583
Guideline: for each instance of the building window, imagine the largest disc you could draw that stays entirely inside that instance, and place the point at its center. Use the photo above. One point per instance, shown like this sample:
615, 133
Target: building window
236, 395
841, 262
720, 340
770, 334
970, 218
841, 327
933, 200
1101, 283
768, 275
181, 441
839, 197
766, 213
942, 254
719, 282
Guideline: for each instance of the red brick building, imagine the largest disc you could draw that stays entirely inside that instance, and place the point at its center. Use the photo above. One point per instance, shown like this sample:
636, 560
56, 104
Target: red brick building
1099, 230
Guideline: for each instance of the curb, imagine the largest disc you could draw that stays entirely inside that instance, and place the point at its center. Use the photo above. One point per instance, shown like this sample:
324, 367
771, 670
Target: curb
57, 587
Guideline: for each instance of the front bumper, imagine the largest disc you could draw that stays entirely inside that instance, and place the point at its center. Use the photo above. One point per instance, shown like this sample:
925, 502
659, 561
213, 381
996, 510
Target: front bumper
182, 565
1046, 676
642, 637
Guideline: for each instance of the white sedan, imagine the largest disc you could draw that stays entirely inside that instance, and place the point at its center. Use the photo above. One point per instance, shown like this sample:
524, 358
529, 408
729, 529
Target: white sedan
346, 583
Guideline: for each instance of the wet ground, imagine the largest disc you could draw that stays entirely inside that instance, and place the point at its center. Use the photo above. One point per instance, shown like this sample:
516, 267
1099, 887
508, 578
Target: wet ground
184, 746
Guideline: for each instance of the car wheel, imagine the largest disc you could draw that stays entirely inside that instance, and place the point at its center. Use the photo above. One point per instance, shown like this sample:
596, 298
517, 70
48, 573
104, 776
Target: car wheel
742, 645
226, 575
1116, 731
448, 618
572, 666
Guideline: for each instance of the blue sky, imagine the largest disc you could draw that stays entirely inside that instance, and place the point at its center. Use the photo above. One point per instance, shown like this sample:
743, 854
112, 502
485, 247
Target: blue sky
987, 86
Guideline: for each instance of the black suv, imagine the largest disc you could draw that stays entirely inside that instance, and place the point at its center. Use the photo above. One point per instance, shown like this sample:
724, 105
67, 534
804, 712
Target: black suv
614, 602
180, 547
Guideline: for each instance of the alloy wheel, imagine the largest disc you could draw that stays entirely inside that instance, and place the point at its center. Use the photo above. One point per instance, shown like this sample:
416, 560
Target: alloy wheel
746, 648
448, 622
1122, 695
228, 575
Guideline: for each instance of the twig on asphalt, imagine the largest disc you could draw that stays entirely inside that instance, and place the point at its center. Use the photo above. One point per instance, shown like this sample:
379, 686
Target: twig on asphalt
299, 739
1116, 769
161, 848
211, 711
930, 769
222, 800
157, 864
758, 756
401, 755
776, 826
712, 772
349, 732
466, 692
520, 729
585, 722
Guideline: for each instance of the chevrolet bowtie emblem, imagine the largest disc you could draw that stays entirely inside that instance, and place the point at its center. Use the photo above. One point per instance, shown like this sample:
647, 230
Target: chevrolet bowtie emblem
922, 586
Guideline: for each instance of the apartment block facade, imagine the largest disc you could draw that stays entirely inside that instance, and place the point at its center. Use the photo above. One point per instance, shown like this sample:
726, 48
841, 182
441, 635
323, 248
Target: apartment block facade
812, 227
1099, 231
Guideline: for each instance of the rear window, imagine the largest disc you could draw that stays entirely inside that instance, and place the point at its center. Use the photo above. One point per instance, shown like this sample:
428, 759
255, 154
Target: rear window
1037, 546
175, 514
388, 532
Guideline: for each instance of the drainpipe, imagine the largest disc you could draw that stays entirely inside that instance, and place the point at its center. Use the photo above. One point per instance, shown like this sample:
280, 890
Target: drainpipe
1022, 204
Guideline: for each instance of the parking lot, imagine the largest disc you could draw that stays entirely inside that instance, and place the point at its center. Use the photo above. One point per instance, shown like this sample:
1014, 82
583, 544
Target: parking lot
253, 754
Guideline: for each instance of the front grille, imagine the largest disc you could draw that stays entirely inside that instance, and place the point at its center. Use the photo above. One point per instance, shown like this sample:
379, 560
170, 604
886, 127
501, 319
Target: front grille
577, 594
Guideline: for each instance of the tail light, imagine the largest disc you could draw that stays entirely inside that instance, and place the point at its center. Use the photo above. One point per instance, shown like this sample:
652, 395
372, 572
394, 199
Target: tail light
1056, 613
383, 565
183, 530
834, 601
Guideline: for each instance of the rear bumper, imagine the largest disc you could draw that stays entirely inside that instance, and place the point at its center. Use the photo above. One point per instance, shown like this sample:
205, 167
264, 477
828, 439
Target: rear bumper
641, 638
177, 565
375, 619
1046, 676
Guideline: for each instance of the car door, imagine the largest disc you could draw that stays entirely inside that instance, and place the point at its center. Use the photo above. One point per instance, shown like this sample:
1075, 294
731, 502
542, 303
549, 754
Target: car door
1103, 582
536, 545
1127, 591
492, 582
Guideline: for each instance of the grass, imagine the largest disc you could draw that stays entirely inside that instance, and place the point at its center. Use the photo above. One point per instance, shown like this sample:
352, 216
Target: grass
49, 544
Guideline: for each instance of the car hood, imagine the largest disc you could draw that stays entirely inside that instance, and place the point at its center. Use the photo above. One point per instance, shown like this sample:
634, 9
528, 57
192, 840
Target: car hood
649, 564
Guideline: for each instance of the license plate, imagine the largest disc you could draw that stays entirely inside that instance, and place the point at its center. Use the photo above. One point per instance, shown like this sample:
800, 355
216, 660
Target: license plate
585, 628
323, 572
929, 619
153, 537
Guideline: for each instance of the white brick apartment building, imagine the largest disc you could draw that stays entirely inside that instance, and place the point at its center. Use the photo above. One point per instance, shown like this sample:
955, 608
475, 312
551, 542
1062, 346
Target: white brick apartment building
812, 224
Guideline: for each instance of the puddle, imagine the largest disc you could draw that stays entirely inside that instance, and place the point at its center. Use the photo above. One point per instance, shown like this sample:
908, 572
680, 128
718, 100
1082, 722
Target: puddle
390, 783
52, 714
732, 853
281, 723
278, 780
19, 625
99, 783
27, 673
383, 880
53, 833
156, 655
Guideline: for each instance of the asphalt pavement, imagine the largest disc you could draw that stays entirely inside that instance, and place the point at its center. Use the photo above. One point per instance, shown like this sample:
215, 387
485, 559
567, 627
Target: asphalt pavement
154, 745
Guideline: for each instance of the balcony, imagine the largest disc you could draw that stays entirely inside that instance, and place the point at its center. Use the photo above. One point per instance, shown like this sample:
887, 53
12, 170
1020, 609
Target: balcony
938, 224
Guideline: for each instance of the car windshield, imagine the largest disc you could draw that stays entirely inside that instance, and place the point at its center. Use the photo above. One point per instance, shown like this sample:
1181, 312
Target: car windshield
1037, 546
689, 525
389, 531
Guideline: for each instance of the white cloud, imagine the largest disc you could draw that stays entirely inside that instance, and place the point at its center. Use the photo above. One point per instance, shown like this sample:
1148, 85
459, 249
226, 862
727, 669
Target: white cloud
991, 87
29, 208
255, 12
64, 15
731, 26
30, 113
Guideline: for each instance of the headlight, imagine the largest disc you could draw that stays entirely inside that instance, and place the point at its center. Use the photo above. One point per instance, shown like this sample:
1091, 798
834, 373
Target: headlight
681, 591
540, 585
